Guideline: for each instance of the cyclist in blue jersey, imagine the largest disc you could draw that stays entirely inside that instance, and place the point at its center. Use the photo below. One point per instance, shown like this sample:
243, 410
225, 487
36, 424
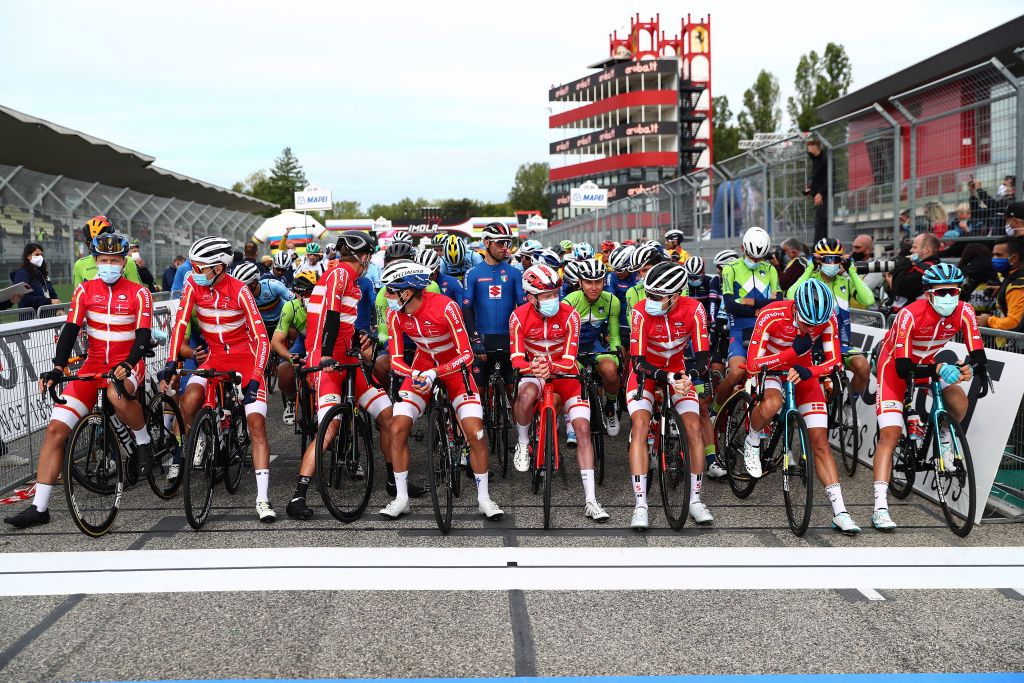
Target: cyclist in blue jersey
448, 285
270, 295
570, 278
621, 279
748, 285
281, 269
493, 290
457, 259
526, 253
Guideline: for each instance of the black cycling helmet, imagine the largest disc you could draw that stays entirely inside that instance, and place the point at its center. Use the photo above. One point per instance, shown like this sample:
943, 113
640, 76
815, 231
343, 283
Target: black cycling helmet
399, 250
355, 242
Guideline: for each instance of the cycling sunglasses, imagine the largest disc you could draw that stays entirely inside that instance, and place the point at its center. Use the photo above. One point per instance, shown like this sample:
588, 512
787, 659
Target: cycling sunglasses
945, 291
831, 259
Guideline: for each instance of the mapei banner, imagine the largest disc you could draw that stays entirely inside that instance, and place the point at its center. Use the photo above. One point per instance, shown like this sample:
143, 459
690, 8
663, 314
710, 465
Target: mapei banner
988, 422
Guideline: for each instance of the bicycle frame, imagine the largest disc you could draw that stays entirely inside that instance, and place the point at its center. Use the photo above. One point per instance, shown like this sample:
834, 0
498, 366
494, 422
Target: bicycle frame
547, 403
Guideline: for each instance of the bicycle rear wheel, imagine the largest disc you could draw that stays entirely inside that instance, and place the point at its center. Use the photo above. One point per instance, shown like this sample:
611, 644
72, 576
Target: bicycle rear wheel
955, 485
166, 427
344, 467
904, 468
849, 433
731, 433
550, 432
198, 468
498, 422
674, 471
271, 372
797, 474
597, 432
238, 446
442, 473
93, 474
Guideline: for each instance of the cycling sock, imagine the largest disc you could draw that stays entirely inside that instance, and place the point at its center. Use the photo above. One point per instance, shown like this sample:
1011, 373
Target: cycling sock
302, 487
754, 437
481, 487
391, 472
262, 485
881, 495
568, 425
524, 433
835, 496
695, 482
640, 490
709, 455
42, 497
402, 485
141, 436
588, 485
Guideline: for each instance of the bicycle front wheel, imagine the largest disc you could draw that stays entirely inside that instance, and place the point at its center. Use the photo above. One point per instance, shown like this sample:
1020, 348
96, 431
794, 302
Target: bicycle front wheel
597, 432
674, 471
198, 468
550, 434
93, 474
442, 471
344, 467
166, 427
730, 433
238, 446
954, 476
904, 468
499, 422
797, 474
849, 433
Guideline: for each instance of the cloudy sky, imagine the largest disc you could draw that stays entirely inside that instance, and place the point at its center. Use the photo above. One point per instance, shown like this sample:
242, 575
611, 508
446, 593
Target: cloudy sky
386, 99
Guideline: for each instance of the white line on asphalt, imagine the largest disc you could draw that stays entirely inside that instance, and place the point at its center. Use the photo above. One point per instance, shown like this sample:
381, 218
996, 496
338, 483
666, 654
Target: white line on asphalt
263, 569
871, 594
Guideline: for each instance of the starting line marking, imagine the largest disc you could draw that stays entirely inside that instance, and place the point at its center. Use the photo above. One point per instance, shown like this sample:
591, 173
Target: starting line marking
265, 569
994, 677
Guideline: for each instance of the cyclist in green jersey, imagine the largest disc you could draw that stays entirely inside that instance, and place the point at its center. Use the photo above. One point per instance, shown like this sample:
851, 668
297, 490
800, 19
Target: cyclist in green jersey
645, 257
599, 331
85, 267
837, 272
397, 251
289, 340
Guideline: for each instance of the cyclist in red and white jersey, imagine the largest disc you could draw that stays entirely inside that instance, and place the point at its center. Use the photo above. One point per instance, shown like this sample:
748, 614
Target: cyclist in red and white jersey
434, 322
920, 331
117, 315
331, 333
662, 328
784, 333
231, 325
545, 336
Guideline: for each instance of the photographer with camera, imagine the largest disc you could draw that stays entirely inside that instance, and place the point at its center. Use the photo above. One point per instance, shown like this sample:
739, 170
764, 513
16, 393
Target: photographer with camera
906, 278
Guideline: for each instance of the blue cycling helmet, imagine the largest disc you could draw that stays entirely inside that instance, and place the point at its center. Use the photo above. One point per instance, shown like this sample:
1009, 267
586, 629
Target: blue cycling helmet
814, 302
109, 243
404, 274
583, 251
548, 258
942, 274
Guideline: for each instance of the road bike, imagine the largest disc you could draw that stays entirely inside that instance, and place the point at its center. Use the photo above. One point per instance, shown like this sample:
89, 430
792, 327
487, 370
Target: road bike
445, 445
593, 391
497, 412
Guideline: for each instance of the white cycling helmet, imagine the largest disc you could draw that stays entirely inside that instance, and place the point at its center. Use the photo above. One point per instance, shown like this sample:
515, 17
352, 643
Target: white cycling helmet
590, 270
282, 259
665, 278
694, 266
621, 258
402, 236
756, 242
541, 278
428, 258
209, 251
725, 257
247, 272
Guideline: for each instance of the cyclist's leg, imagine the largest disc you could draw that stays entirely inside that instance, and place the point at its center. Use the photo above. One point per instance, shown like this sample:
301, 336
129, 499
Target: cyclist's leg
382, 367
955, 399
860, 367
523, 408
608, 369
689, 410
737, 367
577, 412
375, 402
640, 410
889, 412
810, 400
129, 411
80, 398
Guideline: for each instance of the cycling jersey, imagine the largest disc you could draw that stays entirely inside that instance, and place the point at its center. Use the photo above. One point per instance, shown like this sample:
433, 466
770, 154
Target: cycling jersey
286, 278
843, 286
658, 346
492, 293
618, 286
442, 345
708, 294
599, 322
635, 295
472, 260
739, 281
771, 348
451, 288
555, 339
271, 299
365, 310
110, 315
293, 316
381, 304
85, 269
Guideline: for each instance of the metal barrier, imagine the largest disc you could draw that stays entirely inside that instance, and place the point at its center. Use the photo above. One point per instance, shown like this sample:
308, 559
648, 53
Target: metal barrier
26, 350
1008, 488
53, 311
866, 317
16, 314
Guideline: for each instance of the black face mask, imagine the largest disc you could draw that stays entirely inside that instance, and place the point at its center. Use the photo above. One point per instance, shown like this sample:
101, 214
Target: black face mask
858, 256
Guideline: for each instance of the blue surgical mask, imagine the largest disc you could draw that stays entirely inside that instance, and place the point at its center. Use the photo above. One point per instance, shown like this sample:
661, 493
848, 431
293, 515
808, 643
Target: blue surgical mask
548, 307
108, 273
1000, 265
750, 264
200, 279
654, 307
695, 281
1009, 231
830, 269
395, 304
945, 305
914, 258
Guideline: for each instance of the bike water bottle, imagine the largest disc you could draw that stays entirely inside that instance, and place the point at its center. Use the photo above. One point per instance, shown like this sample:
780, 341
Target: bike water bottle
914, 428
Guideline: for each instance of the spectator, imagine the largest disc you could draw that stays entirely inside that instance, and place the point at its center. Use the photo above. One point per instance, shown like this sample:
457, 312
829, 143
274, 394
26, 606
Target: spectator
937, 217
982, 282
863, 249
906, 279
266, 262
1006, 259
818, 189
35, 273
251, 253
792, 261
986, 209
144, 272
168, 278
1014, 217
179, 276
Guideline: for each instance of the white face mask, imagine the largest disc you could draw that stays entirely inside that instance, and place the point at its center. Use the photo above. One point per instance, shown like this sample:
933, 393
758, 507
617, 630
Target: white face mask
36, 261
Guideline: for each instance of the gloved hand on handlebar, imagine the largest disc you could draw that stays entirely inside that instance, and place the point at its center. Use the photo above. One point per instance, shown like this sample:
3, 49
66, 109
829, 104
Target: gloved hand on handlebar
170, 370
251, 392
949, 373
49, 378
801, 372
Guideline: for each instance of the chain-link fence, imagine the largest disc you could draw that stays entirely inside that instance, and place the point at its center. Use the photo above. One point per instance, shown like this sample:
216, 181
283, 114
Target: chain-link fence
50, 211
949, 153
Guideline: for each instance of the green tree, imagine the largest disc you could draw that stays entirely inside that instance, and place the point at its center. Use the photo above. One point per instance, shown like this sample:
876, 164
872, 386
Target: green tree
819, 79
725, 137
530, 190
286, 178
761, 113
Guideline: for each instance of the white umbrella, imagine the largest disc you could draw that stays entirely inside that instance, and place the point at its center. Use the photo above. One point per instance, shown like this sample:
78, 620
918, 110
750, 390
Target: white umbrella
300, 227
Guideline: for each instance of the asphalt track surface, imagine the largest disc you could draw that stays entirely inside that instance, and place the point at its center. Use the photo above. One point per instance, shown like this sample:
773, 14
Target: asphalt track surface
611, 610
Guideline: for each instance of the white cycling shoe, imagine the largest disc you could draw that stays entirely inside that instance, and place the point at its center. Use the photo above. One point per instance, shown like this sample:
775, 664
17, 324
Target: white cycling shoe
595, 512
844, 522
716, 471
700, 513
881, 520
489, 509
265, 511
521, 458
288, 416
752, 459
639, 521
396, 508
173, 472
611, 423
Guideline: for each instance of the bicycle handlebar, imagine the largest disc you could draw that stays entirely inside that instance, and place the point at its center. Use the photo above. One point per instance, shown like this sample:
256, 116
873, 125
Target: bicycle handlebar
235, 377
66, 379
